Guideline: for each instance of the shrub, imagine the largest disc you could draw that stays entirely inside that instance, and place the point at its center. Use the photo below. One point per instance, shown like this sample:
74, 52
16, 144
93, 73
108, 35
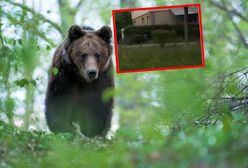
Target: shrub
163, 36
134, 39
148, 29
145, 30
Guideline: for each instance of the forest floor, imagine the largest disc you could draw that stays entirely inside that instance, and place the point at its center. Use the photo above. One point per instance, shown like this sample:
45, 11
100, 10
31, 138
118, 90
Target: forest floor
136, 58
223, 145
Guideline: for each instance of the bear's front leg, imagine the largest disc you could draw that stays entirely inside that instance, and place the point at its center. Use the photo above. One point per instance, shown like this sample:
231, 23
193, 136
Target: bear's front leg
58, 125
58, 122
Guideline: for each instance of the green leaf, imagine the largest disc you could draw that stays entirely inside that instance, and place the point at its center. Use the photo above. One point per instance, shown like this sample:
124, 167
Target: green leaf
48, 47
20, 41
9, 105
4, 52
15, 67
33, 82
107, 94
2, 67
22, 82
233, 89
55, 71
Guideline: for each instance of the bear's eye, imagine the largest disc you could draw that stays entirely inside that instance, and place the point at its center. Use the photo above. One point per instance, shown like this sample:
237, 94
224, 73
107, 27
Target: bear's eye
83, 56
97, 56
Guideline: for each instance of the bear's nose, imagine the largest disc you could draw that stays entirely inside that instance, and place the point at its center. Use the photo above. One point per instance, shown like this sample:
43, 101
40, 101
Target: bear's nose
91, 73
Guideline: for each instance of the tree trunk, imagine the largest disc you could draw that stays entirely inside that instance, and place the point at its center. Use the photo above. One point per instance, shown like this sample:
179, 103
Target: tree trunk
186, 26
29, 107
5, 81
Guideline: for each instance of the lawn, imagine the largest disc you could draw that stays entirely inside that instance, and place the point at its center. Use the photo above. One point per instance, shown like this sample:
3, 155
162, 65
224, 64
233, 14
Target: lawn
143, 57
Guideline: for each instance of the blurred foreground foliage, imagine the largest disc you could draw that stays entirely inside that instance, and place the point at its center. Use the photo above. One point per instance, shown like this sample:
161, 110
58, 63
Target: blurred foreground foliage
186, 147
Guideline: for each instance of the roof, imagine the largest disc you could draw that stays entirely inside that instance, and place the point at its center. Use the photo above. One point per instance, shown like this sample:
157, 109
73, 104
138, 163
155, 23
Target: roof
175, 11
180, 11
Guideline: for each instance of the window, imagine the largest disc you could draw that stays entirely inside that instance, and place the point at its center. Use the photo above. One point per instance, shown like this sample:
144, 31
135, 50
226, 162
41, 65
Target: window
143, 21
148, 20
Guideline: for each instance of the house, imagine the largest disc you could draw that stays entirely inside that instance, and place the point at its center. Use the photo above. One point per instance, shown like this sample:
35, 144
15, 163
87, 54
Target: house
163, 16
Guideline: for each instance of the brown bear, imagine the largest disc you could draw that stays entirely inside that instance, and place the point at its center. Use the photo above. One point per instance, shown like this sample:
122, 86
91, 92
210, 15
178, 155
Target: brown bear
84, 72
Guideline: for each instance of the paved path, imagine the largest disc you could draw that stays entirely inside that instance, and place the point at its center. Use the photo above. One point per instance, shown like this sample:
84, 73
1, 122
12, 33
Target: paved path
155, 44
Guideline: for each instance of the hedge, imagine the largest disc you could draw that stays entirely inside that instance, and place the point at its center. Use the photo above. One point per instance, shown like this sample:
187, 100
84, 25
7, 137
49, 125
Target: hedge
163, 36
134, 39
147, 30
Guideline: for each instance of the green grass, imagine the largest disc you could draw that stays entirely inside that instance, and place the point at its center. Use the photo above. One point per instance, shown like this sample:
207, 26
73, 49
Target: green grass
135, 58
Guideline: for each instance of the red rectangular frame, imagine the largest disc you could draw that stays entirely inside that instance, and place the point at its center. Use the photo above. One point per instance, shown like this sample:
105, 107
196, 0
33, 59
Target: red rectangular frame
158, 7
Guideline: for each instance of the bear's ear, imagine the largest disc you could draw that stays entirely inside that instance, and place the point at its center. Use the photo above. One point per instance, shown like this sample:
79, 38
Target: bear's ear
105, 33
75, 32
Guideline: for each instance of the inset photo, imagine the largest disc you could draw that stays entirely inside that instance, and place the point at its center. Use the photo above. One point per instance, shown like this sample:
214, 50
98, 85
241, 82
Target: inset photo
158, 38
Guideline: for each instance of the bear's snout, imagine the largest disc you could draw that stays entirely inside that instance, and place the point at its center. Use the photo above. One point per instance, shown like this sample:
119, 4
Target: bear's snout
92, 74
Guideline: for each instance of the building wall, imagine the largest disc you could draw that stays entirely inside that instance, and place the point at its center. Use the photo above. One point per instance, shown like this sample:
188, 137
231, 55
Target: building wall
162, 17
138, 13
165, 17
142, 20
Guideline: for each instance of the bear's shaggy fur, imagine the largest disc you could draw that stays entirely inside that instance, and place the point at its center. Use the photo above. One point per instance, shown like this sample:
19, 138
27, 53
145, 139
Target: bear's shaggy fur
75, 93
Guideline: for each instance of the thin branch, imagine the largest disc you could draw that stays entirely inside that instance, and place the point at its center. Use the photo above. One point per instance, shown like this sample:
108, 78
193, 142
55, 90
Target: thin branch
26, 26
220, 98
245, 103
241, 36
235, 103
228, 75
40, 16
1, 39
232, 11
229, 14
242, 90
79, 4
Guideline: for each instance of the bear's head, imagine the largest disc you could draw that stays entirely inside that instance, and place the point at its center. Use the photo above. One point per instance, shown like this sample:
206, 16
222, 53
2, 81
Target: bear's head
89, 51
